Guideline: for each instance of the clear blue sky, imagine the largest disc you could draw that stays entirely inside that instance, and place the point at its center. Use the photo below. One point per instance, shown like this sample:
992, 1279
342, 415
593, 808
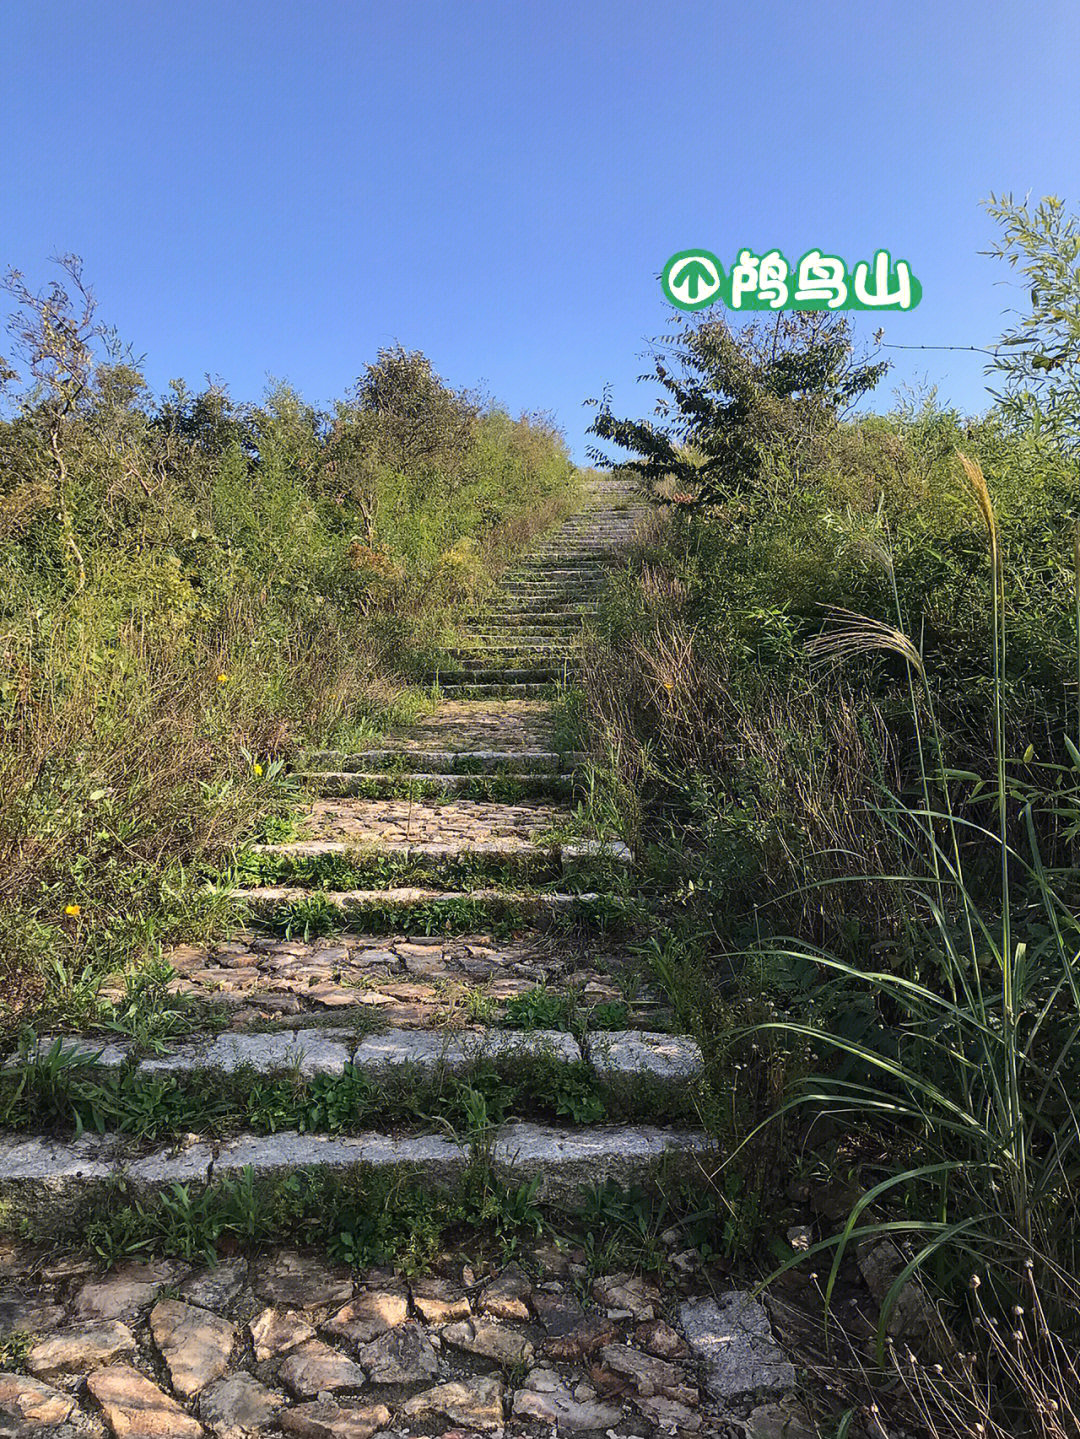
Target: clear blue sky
280, 189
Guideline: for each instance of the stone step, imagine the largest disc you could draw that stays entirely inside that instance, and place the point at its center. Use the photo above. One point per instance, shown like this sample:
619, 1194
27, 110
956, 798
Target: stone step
515, 855
500, 613
581, 544
618, 1058
491, 655
414, 979
494, 724
583, 573
360, 822
421, 908
615, 531
566, 621
588, 560
560, 606
418, 784
49, 1178
549, 574
539, 587
475, 761
496, 691
516, 627
479, 673
491, 662
510, 630
598, 521
567, 562
474, 647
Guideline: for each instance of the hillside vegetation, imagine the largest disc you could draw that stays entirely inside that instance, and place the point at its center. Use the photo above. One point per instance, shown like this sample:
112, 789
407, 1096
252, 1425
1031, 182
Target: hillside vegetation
834, 702
193, 586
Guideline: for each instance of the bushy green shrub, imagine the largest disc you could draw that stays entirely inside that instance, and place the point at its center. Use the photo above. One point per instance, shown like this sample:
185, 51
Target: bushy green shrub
191, 587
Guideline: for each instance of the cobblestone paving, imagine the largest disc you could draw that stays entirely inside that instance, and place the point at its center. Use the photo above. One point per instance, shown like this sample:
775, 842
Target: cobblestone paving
464, 822
401, 980
503, 724
290, 1344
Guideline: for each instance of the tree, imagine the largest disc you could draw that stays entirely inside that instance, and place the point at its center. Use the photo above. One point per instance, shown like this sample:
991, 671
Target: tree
1039, 356
735, 402
55, 337
420, 421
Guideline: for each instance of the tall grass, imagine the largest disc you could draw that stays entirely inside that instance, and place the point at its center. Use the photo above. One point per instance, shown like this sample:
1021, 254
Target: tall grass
192, 588
972, 1072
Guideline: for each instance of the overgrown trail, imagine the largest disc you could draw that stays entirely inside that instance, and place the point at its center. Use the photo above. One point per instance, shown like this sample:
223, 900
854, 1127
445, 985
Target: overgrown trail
435, 994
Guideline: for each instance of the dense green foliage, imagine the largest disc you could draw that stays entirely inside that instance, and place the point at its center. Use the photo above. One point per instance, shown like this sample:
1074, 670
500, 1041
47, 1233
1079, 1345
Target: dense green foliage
370, 1217
732, 404
836, 701
765, 764
194, 585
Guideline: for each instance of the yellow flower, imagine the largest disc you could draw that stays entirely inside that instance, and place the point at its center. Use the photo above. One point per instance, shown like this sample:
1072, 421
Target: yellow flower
669, 685
223, 679
257, 767
73, 910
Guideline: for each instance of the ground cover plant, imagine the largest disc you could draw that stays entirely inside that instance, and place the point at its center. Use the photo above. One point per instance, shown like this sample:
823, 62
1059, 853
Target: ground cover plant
195, 586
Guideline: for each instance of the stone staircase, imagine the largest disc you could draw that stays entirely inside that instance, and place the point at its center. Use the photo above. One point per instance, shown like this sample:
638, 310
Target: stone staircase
524, 640
441, 921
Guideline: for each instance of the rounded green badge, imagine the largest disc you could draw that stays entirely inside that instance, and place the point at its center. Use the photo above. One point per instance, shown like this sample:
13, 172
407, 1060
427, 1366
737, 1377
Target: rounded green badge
692, 279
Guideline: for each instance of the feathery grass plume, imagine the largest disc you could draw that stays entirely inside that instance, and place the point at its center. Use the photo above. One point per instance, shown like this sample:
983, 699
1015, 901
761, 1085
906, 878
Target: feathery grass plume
977, 488
855, 634
983, 1086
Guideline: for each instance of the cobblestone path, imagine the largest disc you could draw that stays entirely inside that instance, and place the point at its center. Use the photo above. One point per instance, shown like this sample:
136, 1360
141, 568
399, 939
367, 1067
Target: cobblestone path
441, 916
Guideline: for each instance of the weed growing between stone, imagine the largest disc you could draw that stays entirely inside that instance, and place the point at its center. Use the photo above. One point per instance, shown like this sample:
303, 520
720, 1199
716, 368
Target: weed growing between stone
59, 1092
368, 1217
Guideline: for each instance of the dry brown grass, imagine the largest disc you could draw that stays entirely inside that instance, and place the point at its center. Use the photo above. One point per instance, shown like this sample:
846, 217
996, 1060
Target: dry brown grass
794, 771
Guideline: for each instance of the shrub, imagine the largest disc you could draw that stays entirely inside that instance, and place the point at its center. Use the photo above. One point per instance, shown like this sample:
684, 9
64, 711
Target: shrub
193, 587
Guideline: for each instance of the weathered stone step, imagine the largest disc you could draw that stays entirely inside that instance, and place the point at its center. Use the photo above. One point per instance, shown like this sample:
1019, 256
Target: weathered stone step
498, 857
411, 979
420, 784
561, 607
489, 664
577, 574
390, 823
496, 691
555, 600
483, 638
618, 1057
496, 847
514, 626
567, 571
599, 521
480, 725
540, 589
603, 542
489, 656
48, 1177
475, 761
549, 574
420, 907
612, 534
564, 551
479, 673
478, 647
550, 578
566, 621
533, 643
490, 629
